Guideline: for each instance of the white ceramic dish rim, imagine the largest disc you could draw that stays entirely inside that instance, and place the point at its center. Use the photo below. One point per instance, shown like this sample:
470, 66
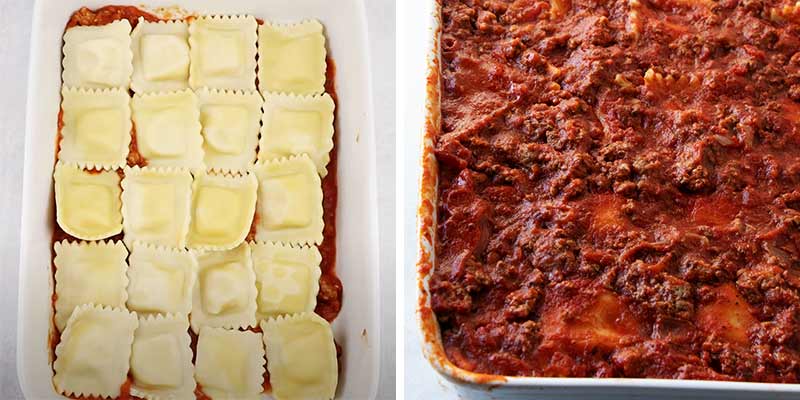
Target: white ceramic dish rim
431, 338
357, 328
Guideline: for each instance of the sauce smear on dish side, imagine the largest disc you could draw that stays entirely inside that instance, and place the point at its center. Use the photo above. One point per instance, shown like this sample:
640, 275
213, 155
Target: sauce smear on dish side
618, 189
329, 299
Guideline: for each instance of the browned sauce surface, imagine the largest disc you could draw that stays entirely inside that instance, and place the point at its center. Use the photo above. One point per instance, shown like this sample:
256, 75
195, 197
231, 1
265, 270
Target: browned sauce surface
620, 188
329, 300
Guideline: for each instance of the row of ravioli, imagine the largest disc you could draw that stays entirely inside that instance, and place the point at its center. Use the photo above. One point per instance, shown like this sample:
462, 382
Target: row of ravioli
102, 346
220, 130
101, 289
220, 52
201, 210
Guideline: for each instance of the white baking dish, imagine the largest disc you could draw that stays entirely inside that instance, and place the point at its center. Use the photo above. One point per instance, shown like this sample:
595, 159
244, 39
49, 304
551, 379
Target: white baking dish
480, 386
357, 327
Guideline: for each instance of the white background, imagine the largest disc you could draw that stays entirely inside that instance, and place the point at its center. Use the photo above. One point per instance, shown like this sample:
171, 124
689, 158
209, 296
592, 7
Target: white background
413, 36
15, 21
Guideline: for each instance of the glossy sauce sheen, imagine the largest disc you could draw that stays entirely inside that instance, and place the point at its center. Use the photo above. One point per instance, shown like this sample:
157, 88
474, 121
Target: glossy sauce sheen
329, 299
619, 188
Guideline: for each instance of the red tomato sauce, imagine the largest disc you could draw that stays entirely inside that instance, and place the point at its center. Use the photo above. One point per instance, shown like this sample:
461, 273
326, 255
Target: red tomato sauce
618, 189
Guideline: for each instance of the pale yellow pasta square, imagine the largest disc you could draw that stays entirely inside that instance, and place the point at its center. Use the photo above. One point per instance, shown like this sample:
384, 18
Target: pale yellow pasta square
231, 122
222, 210
168, 129
293, 125
89, 272
92, 358
230, 364
292, 58
97, 127
161, 279
225, 290
161, 358
223, 52
289, 201
87, 203
155, 205
160, 56
287, 278
98, 56
302, 357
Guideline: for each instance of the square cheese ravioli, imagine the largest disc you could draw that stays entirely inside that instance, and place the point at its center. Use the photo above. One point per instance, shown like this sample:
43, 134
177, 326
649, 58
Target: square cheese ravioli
98, 56
161, 359
89, 272
92, 358
287, 278
222, 210
302, 357
225, 291
230, 364
230, 121
289, 201
168, 129
293, 125
160, 56
87, 202
155, 205
161, 279
291, 58
223, 52
97, 127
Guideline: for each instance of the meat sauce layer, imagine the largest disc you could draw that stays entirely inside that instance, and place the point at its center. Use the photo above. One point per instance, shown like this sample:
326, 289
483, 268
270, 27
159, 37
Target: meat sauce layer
619, 188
